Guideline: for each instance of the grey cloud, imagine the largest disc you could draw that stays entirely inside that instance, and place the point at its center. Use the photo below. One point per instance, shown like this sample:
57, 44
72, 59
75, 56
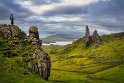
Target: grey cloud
107, 13
3, 12
42, 2
107, 9
7, 7
67, 10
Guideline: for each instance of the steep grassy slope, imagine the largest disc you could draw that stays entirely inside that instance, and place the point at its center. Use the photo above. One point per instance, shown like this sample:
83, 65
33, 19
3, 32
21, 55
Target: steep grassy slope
13, 69
74, 63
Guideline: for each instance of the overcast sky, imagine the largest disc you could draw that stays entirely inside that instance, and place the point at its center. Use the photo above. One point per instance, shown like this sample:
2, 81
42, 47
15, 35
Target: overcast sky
65, 16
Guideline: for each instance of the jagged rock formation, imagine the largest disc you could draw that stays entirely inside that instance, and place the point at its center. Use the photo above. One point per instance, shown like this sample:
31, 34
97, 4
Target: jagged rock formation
11, 31
87, 32
18, 37
33, 32
34, 36
42, 64
87, 38
95, 38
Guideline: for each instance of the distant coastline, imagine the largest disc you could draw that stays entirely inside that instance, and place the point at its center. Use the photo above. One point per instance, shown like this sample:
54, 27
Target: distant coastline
62, 43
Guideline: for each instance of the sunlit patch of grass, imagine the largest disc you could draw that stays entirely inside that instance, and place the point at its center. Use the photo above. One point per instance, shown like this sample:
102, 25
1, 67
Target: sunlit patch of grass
116, 74
68, 77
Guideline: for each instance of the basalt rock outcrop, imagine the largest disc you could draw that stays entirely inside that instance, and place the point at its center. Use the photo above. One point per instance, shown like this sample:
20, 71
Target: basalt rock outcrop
38, 60
87, 32
14, 34
87, 37
94, 39
40, 63
34, 36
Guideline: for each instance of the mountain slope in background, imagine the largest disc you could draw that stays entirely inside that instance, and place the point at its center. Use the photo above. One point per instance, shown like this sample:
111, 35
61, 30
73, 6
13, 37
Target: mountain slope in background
61, 37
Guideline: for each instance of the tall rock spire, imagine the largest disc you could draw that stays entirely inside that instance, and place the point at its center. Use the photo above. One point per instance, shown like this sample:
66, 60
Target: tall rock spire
87, 32
33, 32
86, 38
34, 36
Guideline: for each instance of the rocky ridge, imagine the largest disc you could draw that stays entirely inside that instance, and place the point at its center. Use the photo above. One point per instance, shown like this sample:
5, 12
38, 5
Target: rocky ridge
16, 37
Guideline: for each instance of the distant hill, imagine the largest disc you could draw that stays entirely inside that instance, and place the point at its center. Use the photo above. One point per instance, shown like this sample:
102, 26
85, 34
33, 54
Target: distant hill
119, 35
61, 37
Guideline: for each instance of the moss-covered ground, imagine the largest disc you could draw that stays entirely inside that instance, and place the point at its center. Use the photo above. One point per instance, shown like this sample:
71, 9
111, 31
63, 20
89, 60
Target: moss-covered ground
74, 63
70, 64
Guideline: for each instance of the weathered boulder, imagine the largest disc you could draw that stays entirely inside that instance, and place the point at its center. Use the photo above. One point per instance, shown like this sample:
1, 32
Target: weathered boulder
34, 36
33, 32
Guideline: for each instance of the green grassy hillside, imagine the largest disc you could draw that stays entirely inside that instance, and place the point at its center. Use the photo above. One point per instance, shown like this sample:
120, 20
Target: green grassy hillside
75, 63
13, 69
70, 64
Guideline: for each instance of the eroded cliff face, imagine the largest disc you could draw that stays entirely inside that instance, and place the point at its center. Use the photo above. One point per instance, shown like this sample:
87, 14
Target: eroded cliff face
38, 60
40, 63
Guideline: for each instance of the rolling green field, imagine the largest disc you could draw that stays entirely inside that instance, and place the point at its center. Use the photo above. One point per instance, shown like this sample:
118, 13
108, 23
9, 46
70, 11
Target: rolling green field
74, 63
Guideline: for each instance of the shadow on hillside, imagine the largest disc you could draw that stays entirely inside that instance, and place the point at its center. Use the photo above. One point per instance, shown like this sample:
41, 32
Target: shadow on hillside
70, 81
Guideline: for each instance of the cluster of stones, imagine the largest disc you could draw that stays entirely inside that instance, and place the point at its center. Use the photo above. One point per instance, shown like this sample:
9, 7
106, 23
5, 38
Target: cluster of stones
18, 37
95, 38
13, 33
